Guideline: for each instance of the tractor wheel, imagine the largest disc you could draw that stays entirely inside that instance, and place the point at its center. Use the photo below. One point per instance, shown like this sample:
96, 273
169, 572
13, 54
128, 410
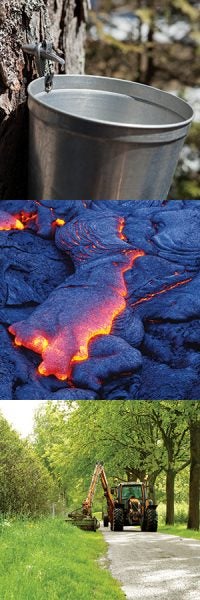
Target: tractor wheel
118, 520
151, 520
144, 524
105, 521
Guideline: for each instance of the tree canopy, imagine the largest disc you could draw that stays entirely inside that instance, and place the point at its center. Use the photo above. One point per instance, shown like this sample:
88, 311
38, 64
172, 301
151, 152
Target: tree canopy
131, 438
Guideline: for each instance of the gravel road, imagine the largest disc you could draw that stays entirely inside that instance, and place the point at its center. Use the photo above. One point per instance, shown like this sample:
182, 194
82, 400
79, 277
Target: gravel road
154, 565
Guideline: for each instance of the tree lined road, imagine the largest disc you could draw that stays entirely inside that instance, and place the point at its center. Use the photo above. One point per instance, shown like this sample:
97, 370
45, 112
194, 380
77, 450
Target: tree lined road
153, 565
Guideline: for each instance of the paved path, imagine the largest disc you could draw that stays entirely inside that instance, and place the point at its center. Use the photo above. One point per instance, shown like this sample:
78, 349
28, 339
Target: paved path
153, 565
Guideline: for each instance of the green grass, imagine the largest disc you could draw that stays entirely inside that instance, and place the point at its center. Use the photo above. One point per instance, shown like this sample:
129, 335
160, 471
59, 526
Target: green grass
180, 511
180, 530
180, 526
51, 560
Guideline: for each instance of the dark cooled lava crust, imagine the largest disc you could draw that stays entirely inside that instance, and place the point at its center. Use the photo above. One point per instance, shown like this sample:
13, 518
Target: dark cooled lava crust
100, 300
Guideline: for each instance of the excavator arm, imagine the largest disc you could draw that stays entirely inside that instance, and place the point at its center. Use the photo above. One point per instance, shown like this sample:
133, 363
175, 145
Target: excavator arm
87, 504
83, 517
107, 494
99, 473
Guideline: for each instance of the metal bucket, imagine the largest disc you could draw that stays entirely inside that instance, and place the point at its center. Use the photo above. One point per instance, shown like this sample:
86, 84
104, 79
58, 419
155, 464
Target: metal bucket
104, 139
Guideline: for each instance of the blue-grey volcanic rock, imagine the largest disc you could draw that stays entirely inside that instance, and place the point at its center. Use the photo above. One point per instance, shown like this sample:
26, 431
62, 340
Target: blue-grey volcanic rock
103, 297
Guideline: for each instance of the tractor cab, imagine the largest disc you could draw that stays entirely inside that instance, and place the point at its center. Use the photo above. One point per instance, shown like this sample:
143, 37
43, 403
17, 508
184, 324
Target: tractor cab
125, 491
131, 497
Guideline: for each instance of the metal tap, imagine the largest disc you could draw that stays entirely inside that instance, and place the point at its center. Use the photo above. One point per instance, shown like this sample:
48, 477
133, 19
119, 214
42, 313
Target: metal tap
44, 55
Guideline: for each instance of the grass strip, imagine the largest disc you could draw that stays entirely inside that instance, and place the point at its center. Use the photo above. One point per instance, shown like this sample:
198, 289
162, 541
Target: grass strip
49, 559
180, 530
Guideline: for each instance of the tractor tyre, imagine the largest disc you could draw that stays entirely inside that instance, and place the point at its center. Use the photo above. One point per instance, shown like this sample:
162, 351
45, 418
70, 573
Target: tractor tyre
118, 520
105, 521
144, 524
152, 520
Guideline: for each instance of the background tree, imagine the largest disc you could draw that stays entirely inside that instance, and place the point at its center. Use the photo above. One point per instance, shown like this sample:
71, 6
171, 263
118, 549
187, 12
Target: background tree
194, 485
24, 21
119, 433
131, 438
173, 426
26, 486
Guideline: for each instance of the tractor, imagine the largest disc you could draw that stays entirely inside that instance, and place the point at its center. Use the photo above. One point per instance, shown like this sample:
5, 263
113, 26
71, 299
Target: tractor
127, 504
131, 507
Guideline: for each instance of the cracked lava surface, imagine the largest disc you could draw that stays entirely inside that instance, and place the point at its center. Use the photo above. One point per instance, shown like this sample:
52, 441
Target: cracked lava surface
106, 293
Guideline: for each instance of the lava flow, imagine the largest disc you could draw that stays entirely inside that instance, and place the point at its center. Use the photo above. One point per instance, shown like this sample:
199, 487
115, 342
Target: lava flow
24, 220
85, 306
8, 222
164, 290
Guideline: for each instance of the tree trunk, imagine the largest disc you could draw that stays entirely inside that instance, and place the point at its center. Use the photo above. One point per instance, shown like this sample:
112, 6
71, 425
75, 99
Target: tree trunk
24, 21
149, 73
194, 493
170, 479
152, 480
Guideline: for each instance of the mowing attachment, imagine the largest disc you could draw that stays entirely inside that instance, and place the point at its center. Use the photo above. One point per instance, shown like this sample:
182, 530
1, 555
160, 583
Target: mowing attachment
83, 521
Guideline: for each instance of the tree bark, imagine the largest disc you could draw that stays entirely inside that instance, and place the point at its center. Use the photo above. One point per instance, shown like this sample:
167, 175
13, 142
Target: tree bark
24, 21
149, 72
194, 486
170, 479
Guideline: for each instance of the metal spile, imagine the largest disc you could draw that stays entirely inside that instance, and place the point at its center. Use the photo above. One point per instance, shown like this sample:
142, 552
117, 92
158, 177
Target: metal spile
44, 55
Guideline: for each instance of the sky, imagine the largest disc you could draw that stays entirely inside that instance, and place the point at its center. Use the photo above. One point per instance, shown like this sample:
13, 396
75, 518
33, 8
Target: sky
20, 414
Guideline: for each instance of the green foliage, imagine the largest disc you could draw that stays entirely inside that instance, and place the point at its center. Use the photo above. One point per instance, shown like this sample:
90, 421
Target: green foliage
187, 185
187, 189
181, 513
50, 559
26, 486
118, 433
181, 487
132, 439
194, 136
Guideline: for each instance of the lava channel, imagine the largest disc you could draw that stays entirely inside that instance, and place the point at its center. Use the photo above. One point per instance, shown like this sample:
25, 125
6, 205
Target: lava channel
164, 290
61, 329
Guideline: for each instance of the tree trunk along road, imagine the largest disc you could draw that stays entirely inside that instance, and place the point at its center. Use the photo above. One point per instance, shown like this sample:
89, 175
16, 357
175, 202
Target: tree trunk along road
152, 565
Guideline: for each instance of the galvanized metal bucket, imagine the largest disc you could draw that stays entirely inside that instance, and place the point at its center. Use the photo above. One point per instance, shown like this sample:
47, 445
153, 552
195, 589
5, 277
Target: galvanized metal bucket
104, 139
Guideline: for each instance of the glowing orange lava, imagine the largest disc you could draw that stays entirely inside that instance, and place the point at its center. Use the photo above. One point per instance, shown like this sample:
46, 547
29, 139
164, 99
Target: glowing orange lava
121, 228
84, 331
17, 342
167, 288
39, 344
10, 223
22, 220
97, 322
59, 222
92, 315
17, 221
27, 217
80, 313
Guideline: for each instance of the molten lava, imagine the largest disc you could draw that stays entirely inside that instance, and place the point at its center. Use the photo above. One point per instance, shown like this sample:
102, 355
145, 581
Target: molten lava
8, 222
120, 229
27, 217
61, 329
167, 288
85, 305
59, 222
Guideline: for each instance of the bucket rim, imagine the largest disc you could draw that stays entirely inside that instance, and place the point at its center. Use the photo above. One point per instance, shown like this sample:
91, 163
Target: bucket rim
39, 82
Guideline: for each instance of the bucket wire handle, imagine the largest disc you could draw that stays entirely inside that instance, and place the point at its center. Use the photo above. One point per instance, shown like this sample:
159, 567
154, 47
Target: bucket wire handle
44, 58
